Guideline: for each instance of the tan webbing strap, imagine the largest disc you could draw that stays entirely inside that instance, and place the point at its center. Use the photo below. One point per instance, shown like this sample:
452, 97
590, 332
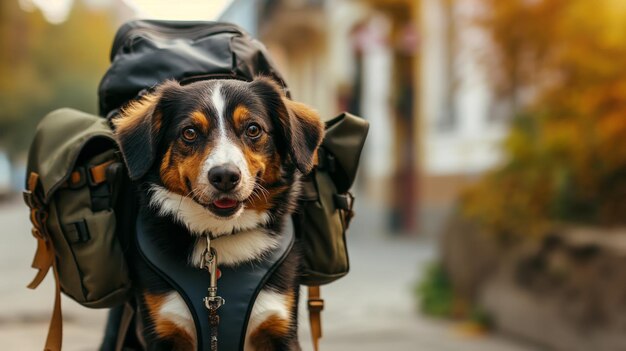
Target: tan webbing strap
97, 175
98, 172
54, 340
75, 178
44, 259
315, 305
33, 178
44, 254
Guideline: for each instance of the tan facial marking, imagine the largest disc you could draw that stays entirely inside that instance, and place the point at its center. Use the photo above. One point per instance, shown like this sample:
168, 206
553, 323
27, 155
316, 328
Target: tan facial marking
169, 175
240, 115
268, 171
190, 166
200, 120
176, 170
255, 161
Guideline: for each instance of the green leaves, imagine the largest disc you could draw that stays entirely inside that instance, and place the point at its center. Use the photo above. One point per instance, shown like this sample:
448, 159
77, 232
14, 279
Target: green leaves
566, 152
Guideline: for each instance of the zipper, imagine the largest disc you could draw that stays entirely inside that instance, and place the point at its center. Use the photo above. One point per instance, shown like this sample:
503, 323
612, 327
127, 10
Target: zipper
211, 76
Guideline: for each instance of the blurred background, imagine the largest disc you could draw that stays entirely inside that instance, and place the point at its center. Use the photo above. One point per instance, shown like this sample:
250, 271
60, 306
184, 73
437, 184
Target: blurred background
491, 197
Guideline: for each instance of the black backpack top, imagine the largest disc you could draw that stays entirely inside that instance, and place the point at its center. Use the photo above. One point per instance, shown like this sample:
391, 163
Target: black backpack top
146, 53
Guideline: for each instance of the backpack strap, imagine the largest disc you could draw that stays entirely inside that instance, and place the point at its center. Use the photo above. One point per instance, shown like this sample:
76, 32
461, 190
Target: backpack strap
128, 313
55, 330
44, 260
45, 255
315, 305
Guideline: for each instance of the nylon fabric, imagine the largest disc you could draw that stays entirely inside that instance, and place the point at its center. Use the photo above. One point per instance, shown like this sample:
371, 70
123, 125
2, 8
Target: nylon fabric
145, 53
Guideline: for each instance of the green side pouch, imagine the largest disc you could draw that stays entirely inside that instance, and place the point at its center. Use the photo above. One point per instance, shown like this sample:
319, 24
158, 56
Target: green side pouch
325, 208
74, 155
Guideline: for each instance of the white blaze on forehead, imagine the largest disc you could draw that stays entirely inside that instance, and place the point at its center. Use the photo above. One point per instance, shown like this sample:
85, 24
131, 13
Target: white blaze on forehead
218, 102
225, 150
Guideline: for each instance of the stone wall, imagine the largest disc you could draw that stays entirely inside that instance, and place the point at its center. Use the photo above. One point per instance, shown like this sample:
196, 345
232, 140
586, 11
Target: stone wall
564, 291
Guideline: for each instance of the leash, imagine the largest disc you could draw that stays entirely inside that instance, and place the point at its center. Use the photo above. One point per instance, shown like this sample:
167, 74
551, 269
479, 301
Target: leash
212, 301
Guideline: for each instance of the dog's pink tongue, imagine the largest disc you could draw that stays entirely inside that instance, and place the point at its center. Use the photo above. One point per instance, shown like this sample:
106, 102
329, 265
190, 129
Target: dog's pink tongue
225, 203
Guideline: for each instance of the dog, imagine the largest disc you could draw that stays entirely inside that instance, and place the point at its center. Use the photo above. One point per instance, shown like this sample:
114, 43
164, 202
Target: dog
222, 158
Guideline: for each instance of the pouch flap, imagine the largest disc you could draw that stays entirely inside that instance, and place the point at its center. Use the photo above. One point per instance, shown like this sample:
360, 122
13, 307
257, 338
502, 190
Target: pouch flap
344, 139
58, 141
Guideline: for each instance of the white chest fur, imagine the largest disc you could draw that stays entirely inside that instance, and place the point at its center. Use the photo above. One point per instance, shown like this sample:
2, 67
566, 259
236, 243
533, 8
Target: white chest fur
199, 220
234, 249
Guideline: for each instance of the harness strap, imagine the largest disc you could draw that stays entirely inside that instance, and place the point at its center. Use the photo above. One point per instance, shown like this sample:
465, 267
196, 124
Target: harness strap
315, 306
238, 285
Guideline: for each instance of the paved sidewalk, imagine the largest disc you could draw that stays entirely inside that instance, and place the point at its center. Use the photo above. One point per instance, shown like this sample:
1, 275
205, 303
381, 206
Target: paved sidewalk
373, 308
370, 309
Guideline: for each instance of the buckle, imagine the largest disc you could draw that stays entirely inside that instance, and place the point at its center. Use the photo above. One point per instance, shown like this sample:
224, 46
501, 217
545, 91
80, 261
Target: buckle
98, 174
344, 201
37, 234
316, 305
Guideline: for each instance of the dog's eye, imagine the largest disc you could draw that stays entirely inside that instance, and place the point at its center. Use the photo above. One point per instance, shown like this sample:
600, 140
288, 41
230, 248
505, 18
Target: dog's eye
189, 134
253, 131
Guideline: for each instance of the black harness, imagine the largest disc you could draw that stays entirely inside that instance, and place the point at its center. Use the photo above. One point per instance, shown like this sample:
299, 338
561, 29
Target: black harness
239, 286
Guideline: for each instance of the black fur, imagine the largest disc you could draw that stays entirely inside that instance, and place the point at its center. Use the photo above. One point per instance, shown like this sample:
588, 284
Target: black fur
294, 139
299, 139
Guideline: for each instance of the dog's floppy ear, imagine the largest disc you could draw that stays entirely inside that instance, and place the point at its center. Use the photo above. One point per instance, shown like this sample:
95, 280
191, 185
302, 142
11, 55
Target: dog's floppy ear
299, 125
137, 130
305, 131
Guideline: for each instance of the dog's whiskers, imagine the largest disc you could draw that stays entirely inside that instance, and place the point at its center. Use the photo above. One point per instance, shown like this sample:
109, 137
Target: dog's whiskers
181, 200
263, 191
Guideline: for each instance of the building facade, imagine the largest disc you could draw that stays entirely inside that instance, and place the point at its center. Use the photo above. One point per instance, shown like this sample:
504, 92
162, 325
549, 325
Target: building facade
412, 68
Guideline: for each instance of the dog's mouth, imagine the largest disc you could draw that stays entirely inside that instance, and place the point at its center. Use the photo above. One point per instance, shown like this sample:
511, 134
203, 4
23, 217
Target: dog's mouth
224, 207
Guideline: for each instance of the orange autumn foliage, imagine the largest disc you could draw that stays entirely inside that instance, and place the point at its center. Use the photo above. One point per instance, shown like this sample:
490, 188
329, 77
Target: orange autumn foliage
561, 63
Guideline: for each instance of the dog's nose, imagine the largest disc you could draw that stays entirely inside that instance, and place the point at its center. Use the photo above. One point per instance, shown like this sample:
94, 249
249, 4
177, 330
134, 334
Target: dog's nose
225, 177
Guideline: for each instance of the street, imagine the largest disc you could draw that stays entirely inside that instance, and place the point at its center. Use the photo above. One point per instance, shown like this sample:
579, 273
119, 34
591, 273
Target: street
371, 309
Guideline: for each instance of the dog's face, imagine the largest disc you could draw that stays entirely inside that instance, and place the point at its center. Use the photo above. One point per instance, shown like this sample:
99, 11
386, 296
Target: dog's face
231, 147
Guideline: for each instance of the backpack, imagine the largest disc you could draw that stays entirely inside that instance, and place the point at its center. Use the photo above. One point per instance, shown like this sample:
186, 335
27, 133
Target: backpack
81, 201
